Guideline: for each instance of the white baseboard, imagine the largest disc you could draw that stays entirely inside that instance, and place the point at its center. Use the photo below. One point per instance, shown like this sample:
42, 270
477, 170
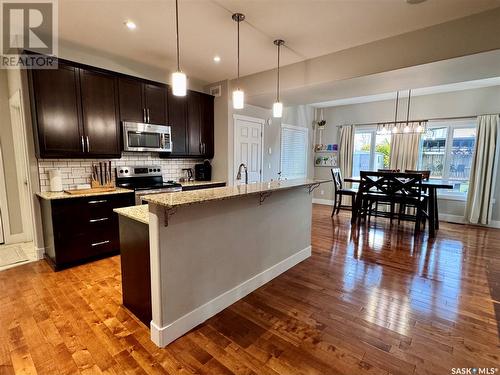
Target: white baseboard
163, 336
495, 224
458, 219
327, 202
39, 252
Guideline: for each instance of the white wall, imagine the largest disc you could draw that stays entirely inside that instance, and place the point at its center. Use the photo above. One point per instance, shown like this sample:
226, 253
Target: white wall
222, 164
454, 104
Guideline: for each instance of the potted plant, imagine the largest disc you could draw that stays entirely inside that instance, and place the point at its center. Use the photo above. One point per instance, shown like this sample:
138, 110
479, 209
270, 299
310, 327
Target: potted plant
321, 124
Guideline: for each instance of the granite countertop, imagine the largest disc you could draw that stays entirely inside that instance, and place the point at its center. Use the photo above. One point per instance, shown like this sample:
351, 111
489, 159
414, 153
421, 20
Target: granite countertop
49, 195
171, 200
201, 183
137, 213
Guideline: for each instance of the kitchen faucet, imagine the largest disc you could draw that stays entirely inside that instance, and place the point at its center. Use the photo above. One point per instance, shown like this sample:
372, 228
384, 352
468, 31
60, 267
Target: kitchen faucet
238, 176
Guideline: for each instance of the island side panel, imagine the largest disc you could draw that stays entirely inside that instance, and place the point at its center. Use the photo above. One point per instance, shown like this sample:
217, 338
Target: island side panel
214, 253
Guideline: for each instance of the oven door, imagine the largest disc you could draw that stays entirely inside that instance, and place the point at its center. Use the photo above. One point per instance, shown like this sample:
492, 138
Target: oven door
146, 137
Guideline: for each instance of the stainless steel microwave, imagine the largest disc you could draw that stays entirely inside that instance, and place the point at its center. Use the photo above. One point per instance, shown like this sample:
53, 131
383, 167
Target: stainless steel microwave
146, 137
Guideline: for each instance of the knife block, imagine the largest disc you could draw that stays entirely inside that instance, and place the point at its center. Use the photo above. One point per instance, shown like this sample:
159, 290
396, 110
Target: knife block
96, 184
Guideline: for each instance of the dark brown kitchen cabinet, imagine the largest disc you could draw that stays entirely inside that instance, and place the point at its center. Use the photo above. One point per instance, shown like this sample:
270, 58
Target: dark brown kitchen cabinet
177, 119
56, 111
142, 102
155, 98
192, 122
194, 117
72, 239
100, 113
74, 112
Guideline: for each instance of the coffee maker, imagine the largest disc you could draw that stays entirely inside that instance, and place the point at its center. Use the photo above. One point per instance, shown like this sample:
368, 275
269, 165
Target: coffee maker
203, 171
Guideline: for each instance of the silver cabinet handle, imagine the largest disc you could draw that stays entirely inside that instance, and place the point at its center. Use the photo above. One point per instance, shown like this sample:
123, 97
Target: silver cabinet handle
99, 201
100, 243
83, 144
149, 119
97, 220
88, 144
144, 114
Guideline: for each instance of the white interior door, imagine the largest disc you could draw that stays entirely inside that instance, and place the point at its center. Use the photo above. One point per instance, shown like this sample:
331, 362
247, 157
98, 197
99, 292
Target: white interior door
248, 147
23, 179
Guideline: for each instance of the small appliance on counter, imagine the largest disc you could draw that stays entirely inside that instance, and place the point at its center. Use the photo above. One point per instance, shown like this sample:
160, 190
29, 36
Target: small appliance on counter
203, 171
188, 175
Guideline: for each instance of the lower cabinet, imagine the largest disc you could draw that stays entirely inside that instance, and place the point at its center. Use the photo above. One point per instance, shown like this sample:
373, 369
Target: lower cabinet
76, 230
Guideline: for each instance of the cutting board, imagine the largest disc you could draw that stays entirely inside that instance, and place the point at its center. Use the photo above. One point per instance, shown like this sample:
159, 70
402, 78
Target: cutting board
96, 190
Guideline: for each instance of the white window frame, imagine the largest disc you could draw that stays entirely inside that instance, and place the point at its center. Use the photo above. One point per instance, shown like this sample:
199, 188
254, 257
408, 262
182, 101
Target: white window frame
297, 128
450, 126
373, 145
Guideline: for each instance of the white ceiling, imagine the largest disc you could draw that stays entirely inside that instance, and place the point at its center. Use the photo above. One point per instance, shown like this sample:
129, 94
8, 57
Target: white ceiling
310, 28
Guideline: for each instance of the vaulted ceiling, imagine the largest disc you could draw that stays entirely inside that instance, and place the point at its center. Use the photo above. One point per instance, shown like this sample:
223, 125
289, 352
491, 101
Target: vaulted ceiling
310, 28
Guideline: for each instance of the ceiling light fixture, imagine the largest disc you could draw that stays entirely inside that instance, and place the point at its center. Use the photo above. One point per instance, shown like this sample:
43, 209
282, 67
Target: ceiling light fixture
238, 94
179, 80
278, 106
407, 127
216, 59
130, 25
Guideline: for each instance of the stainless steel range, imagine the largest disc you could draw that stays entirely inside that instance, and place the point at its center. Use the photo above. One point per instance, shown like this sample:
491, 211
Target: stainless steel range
144, 180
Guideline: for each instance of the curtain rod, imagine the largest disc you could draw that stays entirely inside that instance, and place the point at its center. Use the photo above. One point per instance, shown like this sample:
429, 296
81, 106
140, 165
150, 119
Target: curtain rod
429, 119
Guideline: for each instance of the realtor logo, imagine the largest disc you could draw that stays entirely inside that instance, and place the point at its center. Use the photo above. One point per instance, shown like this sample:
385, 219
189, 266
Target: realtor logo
28, 26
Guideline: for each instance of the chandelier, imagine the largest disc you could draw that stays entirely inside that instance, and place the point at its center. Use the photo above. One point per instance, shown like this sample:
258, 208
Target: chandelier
404, 127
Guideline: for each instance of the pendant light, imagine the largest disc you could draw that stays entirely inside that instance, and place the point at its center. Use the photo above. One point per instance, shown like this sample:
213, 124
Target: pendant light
179, 81
238, 94
278, 106
407, 126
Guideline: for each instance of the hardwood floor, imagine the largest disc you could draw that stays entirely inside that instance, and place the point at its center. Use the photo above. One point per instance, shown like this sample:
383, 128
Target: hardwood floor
372, 301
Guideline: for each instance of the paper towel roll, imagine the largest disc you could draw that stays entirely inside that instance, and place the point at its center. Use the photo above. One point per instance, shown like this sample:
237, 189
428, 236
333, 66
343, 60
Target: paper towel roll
55, 180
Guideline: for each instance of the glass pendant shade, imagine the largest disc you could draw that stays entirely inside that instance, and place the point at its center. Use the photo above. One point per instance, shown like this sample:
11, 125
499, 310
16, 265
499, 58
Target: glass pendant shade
179, 84
238, 99
277, 109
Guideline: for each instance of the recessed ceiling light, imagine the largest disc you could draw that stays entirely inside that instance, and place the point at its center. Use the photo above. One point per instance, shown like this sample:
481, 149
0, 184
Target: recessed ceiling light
216, 59
130, 25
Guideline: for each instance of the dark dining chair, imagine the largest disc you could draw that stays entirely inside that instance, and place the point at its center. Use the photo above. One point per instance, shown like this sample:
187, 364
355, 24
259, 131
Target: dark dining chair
389, 188
391, 205
426, 175
340, 191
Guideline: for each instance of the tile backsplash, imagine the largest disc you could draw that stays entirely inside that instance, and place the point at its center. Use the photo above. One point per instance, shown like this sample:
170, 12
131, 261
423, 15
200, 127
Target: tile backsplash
78, 171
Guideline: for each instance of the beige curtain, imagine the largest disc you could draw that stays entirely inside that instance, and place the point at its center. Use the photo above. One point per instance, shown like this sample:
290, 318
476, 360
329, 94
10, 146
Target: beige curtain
481, 181
404, 151
346, 149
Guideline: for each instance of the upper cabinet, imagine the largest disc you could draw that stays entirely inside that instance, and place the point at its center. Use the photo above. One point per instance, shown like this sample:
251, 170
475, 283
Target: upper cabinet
77, 112
100, 113
142, 102
56, 110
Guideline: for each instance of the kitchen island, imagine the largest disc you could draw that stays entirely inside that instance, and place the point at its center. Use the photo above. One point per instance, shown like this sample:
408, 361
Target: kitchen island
209, 248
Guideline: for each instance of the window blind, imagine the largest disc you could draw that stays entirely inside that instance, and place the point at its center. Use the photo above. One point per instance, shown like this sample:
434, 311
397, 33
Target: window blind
294, 142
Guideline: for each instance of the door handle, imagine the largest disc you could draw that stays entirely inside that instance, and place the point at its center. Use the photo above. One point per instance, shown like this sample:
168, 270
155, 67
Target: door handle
88, 144
83, 144
100, 243
98, 220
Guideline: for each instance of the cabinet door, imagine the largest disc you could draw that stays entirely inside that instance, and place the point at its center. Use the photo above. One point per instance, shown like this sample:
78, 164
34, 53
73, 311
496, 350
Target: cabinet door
56, 111
194, 123
177, 119
131, 103
207, 125
155, 98
100, 113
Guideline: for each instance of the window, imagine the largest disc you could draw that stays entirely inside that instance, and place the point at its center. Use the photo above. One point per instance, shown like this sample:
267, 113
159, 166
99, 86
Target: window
294, 141
371, 151
447, 150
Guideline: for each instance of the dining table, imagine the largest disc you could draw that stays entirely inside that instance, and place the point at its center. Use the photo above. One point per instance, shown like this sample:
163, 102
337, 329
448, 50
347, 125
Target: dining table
431, 186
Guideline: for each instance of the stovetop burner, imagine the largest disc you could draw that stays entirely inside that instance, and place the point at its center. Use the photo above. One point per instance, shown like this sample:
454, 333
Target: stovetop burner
142, 178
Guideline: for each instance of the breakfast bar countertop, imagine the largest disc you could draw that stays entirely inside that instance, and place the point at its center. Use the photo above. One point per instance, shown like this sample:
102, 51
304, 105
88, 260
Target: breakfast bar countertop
50, 195
171, 200
201, 183
138, 213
